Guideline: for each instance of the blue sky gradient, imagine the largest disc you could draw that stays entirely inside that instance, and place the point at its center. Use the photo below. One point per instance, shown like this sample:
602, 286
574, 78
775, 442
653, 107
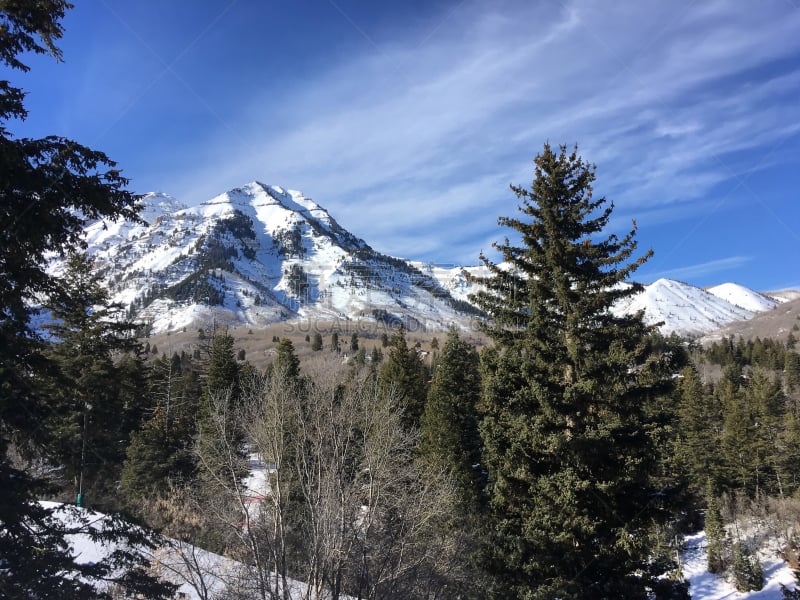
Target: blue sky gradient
408, 120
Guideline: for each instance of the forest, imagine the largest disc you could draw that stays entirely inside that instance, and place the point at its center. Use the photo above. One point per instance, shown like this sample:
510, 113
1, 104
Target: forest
565, 459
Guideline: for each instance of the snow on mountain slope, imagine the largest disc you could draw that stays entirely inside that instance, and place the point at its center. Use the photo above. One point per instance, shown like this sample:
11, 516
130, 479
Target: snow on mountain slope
453, 278
259, 254
255, 255
684, 309
738, 295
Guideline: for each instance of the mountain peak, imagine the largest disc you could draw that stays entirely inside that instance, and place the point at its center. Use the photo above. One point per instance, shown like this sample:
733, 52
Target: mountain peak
156, 204
743, 297
260, 253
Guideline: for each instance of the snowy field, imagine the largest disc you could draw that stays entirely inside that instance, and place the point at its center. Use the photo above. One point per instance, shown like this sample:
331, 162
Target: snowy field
706, 586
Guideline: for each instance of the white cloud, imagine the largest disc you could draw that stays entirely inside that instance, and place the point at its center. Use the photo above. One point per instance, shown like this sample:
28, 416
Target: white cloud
408, 142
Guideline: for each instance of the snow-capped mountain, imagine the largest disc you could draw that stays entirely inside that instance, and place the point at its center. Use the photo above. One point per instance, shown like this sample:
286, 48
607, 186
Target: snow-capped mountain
259, 254
256, 255
681, 308
743, 297
685, 309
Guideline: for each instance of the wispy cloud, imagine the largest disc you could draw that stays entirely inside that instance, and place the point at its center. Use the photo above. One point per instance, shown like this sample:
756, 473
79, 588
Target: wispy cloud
405, 141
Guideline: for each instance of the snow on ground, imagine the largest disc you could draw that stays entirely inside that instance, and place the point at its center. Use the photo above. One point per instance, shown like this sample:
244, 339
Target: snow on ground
198, 573
707, 586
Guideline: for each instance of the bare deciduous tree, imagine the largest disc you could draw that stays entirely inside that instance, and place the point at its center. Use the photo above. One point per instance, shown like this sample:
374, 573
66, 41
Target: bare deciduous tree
349, 508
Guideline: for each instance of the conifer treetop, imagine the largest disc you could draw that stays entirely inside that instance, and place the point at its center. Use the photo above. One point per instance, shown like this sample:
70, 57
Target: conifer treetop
561, 259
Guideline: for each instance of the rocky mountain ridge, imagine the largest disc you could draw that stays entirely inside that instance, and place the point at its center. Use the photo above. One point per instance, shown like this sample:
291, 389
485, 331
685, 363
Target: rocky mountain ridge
261, 254
256, 255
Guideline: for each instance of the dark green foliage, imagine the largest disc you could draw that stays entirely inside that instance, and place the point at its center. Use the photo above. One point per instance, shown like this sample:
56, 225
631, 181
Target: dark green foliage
223, 371
715, 532
753, 416
791, 369
354, 342
767, 353
361, 356
788, 452
290, 241
568, 435
700, 420
90, 421
747, 573
298, 281
334, 342
404, 374
743, 430
376, 356
197, 287
286, 362
220, 396
50, 189
449, 430
316, 342
161, 451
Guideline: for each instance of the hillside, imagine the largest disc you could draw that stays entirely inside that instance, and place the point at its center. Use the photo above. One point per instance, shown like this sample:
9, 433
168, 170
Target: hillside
776, 323
259, 255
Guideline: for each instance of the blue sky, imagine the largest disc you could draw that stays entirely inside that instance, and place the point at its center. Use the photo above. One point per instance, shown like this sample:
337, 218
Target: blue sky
408, 120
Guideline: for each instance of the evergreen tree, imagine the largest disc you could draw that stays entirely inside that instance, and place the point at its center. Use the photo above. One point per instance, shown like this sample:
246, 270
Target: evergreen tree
161, 450
361, 356
88, 426
764, 396
791, 370
49, 190
747, 573
221, 386
354, 342
715, 532
700, 428
223, 370
449, 429
316, 343
335, 342
565, 429
286, 361
788, 467
404, 373
739, 460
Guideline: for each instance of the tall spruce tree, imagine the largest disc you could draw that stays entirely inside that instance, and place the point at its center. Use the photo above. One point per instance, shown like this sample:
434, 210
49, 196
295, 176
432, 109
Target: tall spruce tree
90, 420
565, 424
449, 430
161, 451
699, 429
404, 374
715, 531
222, 387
